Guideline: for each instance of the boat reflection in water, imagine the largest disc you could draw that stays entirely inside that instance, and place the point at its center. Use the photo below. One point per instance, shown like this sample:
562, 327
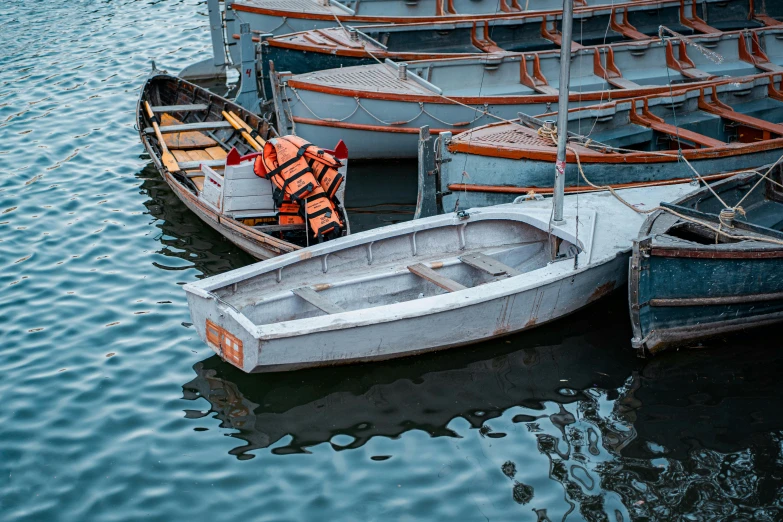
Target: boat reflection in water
686, 434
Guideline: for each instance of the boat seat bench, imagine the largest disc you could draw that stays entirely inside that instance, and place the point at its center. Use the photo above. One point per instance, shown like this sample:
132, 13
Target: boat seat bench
188, 127
488, 264
197, 107
433, 277
317, 300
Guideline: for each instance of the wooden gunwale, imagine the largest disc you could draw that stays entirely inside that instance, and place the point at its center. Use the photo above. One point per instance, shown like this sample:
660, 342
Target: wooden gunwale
447, 17
412, 19
340, 49
475, 146
715, 301
730, 252
503, 189
501, 99
360, 53
617, 94
363, 127
589, 156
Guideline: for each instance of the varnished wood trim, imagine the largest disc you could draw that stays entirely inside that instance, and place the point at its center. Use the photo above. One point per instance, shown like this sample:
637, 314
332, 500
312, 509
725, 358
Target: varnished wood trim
716, 301
370, 128
724, 253
500, 189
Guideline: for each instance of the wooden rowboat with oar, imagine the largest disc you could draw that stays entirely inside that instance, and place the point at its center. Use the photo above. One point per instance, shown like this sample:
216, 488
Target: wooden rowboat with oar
204, 146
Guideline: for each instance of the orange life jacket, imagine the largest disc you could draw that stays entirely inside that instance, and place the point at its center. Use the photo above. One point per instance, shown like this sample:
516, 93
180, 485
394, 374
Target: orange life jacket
288, 162
324, 166
289, 213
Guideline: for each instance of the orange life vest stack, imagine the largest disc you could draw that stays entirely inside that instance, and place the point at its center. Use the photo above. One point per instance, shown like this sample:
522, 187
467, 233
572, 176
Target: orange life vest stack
303, 176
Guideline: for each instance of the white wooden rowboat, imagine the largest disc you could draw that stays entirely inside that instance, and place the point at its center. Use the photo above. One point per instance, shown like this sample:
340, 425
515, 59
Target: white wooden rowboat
421, 285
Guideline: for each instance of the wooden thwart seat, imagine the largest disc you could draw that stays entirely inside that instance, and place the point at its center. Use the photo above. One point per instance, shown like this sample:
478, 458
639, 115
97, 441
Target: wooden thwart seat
485, 43
717, 107
611, 73
184, 140
489, 265
196, 107
317, 300
198, 126
433, 277
684, 65
694, 21
648, 119
624, 27
537, 81
554, 36
755, 55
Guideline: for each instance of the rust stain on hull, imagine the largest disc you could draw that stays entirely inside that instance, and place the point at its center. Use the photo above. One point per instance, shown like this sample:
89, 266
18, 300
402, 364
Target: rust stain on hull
602, 290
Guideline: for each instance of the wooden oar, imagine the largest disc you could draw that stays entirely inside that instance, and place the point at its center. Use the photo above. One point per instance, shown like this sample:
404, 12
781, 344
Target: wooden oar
261, 141
244, 133
167, 157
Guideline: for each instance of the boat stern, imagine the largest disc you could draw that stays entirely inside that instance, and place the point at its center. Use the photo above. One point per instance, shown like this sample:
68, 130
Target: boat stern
224, 329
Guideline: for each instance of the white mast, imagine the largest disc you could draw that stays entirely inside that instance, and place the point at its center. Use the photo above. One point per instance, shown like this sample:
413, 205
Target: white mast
562, 109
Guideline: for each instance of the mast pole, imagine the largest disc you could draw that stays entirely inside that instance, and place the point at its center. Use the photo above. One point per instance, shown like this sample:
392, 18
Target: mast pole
562, 109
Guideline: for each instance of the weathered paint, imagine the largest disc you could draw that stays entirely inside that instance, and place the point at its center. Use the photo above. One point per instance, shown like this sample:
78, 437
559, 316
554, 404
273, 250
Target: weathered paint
507, 166
683, 291
319, 105
374, 327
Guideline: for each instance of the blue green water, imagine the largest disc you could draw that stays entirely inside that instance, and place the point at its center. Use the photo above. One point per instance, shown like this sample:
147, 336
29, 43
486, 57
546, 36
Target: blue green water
112, 409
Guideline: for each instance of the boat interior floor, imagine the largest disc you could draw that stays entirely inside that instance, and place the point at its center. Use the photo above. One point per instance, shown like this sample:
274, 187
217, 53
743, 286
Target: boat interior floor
388, 283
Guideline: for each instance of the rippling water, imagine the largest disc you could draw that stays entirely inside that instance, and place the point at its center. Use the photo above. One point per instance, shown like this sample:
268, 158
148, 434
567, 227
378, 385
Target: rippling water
112, 409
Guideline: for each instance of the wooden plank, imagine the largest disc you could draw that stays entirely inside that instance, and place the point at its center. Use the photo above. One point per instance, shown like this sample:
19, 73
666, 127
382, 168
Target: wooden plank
433, 277
184, 140
180, 156
216, 152
192, 127
199, 155
184, 165
196, 107
622, 83
318, 301
695, 137
769, 67
488, 264
199, 181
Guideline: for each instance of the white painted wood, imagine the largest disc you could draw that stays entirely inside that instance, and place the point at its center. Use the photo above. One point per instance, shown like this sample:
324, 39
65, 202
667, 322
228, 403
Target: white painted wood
248, 187
245, 192
212, 192
389, 312
247, 205
489, 265
312, 297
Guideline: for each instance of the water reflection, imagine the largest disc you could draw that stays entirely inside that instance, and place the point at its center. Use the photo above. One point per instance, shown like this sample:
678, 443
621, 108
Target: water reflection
182, 234
695, 435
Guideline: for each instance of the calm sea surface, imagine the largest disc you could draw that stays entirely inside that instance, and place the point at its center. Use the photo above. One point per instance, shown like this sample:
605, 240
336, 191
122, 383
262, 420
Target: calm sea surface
112, 409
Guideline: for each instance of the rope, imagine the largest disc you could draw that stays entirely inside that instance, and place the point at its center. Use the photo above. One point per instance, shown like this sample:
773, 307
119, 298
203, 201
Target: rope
710, 55
718, 231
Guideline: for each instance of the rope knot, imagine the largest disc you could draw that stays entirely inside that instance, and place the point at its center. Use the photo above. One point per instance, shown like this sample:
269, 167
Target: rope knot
727, 216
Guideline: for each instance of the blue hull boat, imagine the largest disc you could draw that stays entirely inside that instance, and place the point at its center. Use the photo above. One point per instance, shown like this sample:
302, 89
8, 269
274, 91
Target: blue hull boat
709, 264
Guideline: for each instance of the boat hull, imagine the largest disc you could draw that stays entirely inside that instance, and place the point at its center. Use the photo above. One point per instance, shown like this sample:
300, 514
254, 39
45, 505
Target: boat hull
687, 284
470, 180
417, 335
684, 297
